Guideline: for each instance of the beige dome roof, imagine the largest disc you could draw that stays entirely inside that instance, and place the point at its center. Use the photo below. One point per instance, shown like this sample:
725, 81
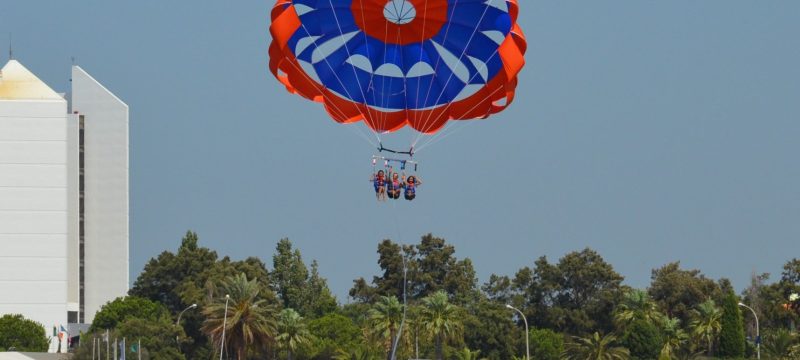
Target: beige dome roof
18, 83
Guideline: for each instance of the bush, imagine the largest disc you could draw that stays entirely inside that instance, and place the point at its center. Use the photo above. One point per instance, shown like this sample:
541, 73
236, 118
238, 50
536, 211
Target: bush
643, 339
546, 344
22, 334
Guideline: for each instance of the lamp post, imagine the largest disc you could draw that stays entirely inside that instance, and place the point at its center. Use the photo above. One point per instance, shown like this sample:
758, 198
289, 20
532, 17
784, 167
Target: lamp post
178, 322
224, 325
758, 331
527, 345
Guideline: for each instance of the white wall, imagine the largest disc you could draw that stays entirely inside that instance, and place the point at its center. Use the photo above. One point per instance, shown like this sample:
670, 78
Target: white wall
33, 210
106, 191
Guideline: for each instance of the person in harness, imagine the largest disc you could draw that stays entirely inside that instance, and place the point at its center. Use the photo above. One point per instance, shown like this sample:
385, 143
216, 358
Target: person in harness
379, 182
394, 185
410, 185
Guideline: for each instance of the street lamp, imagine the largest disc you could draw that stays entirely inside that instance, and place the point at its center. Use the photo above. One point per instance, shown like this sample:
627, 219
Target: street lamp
224, 324
527, 345
178, 322
758, 331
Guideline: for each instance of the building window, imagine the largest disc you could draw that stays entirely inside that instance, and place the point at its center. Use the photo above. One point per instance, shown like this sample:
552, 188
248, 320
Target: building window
81, 223
72, 317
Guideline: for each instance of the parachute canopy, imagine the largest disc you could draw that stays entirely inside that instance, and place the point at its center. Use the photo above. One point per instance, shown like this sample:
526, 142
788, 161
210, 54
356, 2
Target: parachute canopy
393, 63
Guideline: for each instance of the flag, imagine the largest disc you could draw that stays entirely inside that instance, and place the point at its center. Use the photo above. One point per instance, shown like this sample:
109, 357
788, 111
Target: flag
122, 349
135, 348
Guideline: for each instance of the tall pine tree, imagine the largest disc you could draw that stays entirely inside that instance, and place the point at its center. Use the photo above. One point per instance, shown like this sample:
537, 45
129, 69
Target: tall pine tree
731, 337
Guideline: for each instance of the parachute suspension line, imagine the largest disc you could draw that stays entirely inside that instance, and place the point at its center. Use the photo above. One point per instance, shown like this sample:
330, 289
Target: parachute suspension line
489, 96
347, 49
436, 66
372, 114
330, 101
335, 74
421, 52
385, 94
460, 62
441, 135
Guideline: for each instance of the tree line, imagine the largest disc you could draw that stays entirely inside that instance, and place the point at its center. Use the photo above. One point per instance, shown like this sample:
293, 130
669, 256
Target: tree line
577, 308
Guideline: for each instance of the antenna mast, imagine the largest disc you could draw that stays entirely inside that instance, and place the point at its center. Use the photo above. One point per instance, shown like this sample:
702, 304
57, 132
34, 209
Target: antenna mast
10, 47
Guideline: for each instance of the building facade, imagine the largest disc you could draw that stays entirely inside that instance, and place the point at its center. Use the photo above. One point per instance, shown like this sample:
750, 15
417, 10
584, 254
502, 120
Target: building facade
63, 197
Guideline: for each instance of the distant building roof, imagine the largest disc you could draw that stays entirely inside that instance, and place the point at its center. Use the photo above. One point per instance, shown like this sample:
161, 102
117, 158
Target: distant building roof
18, 83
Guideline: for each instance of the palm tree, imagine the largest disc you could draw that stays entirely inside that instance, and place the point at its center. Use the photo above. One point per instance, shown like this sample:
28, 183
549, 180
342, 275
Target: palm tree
674, 338
594, 347
250, 319
467, 354
292, 332
637, 304
356, 353
778, 344
385, 317
441, 319
706, 323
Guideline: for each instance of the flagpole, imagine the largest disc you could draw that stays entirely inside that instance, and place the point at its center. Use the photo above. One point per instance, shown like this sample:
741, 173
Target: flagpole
108, 345
115, 349
139, 349
92, 348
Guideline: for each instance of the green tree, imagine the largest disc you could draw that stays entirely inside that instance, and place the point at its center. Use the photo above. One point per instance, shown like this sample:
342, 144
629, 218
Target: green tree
165, 278
489, 327
333, 332
123, 308
289, 275
731, 337
292, 331
467, 354
432, 266
678, 291
385, 317
177, 280
440, 270
706, 324
675, 339
779, 343
594, 347
158, 336
298, 287
546, 344
643, 339
320, 298
361, 352
441, 319
636, 305
576, 295
250, 324
22, 334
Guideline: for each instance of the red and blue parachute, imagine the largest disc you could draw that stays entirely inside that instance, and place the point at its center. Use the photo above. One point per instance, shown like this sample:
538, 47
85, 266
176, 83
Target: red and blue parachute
392, 63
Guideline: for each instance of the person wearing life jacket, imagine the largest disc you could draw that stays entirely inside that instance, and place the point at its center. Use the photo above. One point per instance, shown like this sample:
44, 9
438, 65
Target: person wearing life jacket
394, 185
410, 185
379, 182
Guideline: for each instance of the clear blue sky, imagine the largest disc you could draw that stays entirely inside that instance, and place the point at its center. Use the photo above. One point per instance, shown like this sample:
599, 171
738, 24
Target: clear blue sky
651, 131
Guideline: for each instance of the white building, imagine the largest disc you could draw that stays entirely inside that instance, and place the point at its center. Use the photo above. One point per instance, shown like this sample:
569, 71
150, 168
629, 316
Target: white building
63, 197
